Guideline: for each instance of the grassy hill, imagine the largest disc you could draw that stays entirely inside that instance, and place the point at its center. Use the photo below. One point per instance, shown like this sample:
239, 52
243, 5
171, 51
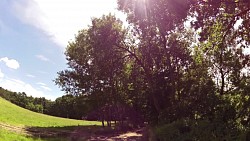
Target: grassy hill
22, 119
14, 115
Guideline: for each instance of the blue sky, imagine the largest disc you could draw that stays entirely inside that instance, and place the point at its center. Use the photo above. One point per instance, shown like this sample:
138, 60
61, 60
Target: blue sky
33, 38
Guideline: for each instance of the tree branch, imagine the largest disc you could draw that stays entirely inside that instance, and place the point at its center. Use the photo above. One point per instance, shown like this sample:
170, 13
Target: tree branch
231, 23
133, 55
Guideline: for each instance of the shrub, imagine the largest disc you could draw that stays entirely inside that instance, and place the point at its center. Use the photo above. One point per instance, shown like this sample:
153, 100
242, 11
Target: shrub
202, 130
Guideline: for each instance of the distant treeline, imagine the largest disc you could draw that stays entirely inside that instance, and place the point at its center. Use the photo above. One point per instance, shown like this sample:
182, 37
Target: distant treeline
67, 106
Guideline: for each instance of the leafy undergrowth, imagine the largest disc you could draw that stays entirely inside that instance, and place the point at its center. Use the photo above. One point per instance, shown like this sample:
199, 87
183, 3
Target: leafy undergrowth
199, 130
14, 115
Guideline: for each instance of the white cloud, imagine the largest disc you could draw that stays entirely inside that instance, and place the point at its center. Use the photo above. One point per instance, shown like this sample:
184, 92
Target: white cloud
20, 86
46, 88
41, 83
1, 74
30, 75
62, 19
43, 58
11, 63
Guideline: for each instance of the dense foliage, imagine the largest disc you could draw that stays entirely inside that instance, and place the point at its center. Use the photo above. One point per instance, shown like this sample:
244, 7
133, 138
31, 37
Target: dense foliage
162, 69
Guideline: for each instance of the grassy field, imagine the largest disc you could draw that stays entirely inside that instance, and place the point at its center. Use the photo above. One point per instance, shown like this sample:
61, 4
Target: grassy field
12, 136
19, 124
14, 115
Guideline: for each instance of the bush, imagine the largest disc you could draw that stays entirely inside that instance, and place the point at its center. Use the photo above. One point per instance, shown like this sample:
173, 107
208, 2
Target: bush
203, 130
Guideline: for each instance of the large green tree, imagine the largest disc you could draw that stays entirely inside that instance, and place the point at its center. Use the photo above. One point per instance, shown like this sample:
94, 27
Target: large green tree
162, 68
95, 62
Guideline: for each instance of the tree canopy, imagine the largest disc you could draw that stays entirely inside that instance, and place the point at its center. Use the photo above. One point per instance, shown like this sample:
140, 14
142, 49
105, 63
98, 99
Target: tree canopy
164, 70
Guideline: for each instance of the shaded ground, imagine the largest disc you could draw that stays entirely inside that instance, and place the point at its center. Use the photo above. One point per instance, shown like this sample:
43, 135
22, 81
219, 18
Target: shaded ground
110, 135
80, 133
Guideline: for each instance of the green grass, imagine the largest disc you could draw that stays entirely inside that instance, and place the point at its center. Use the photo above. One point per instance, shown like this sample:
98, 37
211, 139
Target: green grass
14, 115
11, 136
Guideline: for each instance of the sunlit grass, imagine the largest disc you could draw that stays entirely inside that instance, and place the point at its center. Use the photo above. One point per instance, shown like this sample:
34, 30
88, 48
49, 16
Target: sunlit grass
11, 136
7, 135
14, 115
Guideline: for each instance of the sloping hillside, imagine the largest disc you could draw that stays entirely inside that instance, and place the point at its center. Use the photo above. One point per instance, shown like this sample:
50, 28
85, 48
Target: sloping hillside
14, 115
17, 123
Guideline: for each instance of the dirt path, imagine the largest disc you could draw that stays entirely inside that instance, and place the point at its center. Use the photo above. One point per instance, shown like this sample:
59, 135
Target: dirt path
135, 135
80, 133
34, 131
13, 128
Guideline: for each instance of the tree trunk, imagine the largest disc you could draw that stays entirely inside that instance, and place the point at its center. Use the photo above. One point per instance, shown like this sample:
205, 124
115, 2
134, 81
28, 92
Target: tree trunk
222, 82
221, 72
103, 123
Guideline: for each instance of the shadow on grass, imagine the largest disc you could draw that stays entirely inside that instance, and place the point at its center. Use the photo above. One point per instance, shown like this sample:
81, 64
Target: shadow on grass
74, 133
62, 133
